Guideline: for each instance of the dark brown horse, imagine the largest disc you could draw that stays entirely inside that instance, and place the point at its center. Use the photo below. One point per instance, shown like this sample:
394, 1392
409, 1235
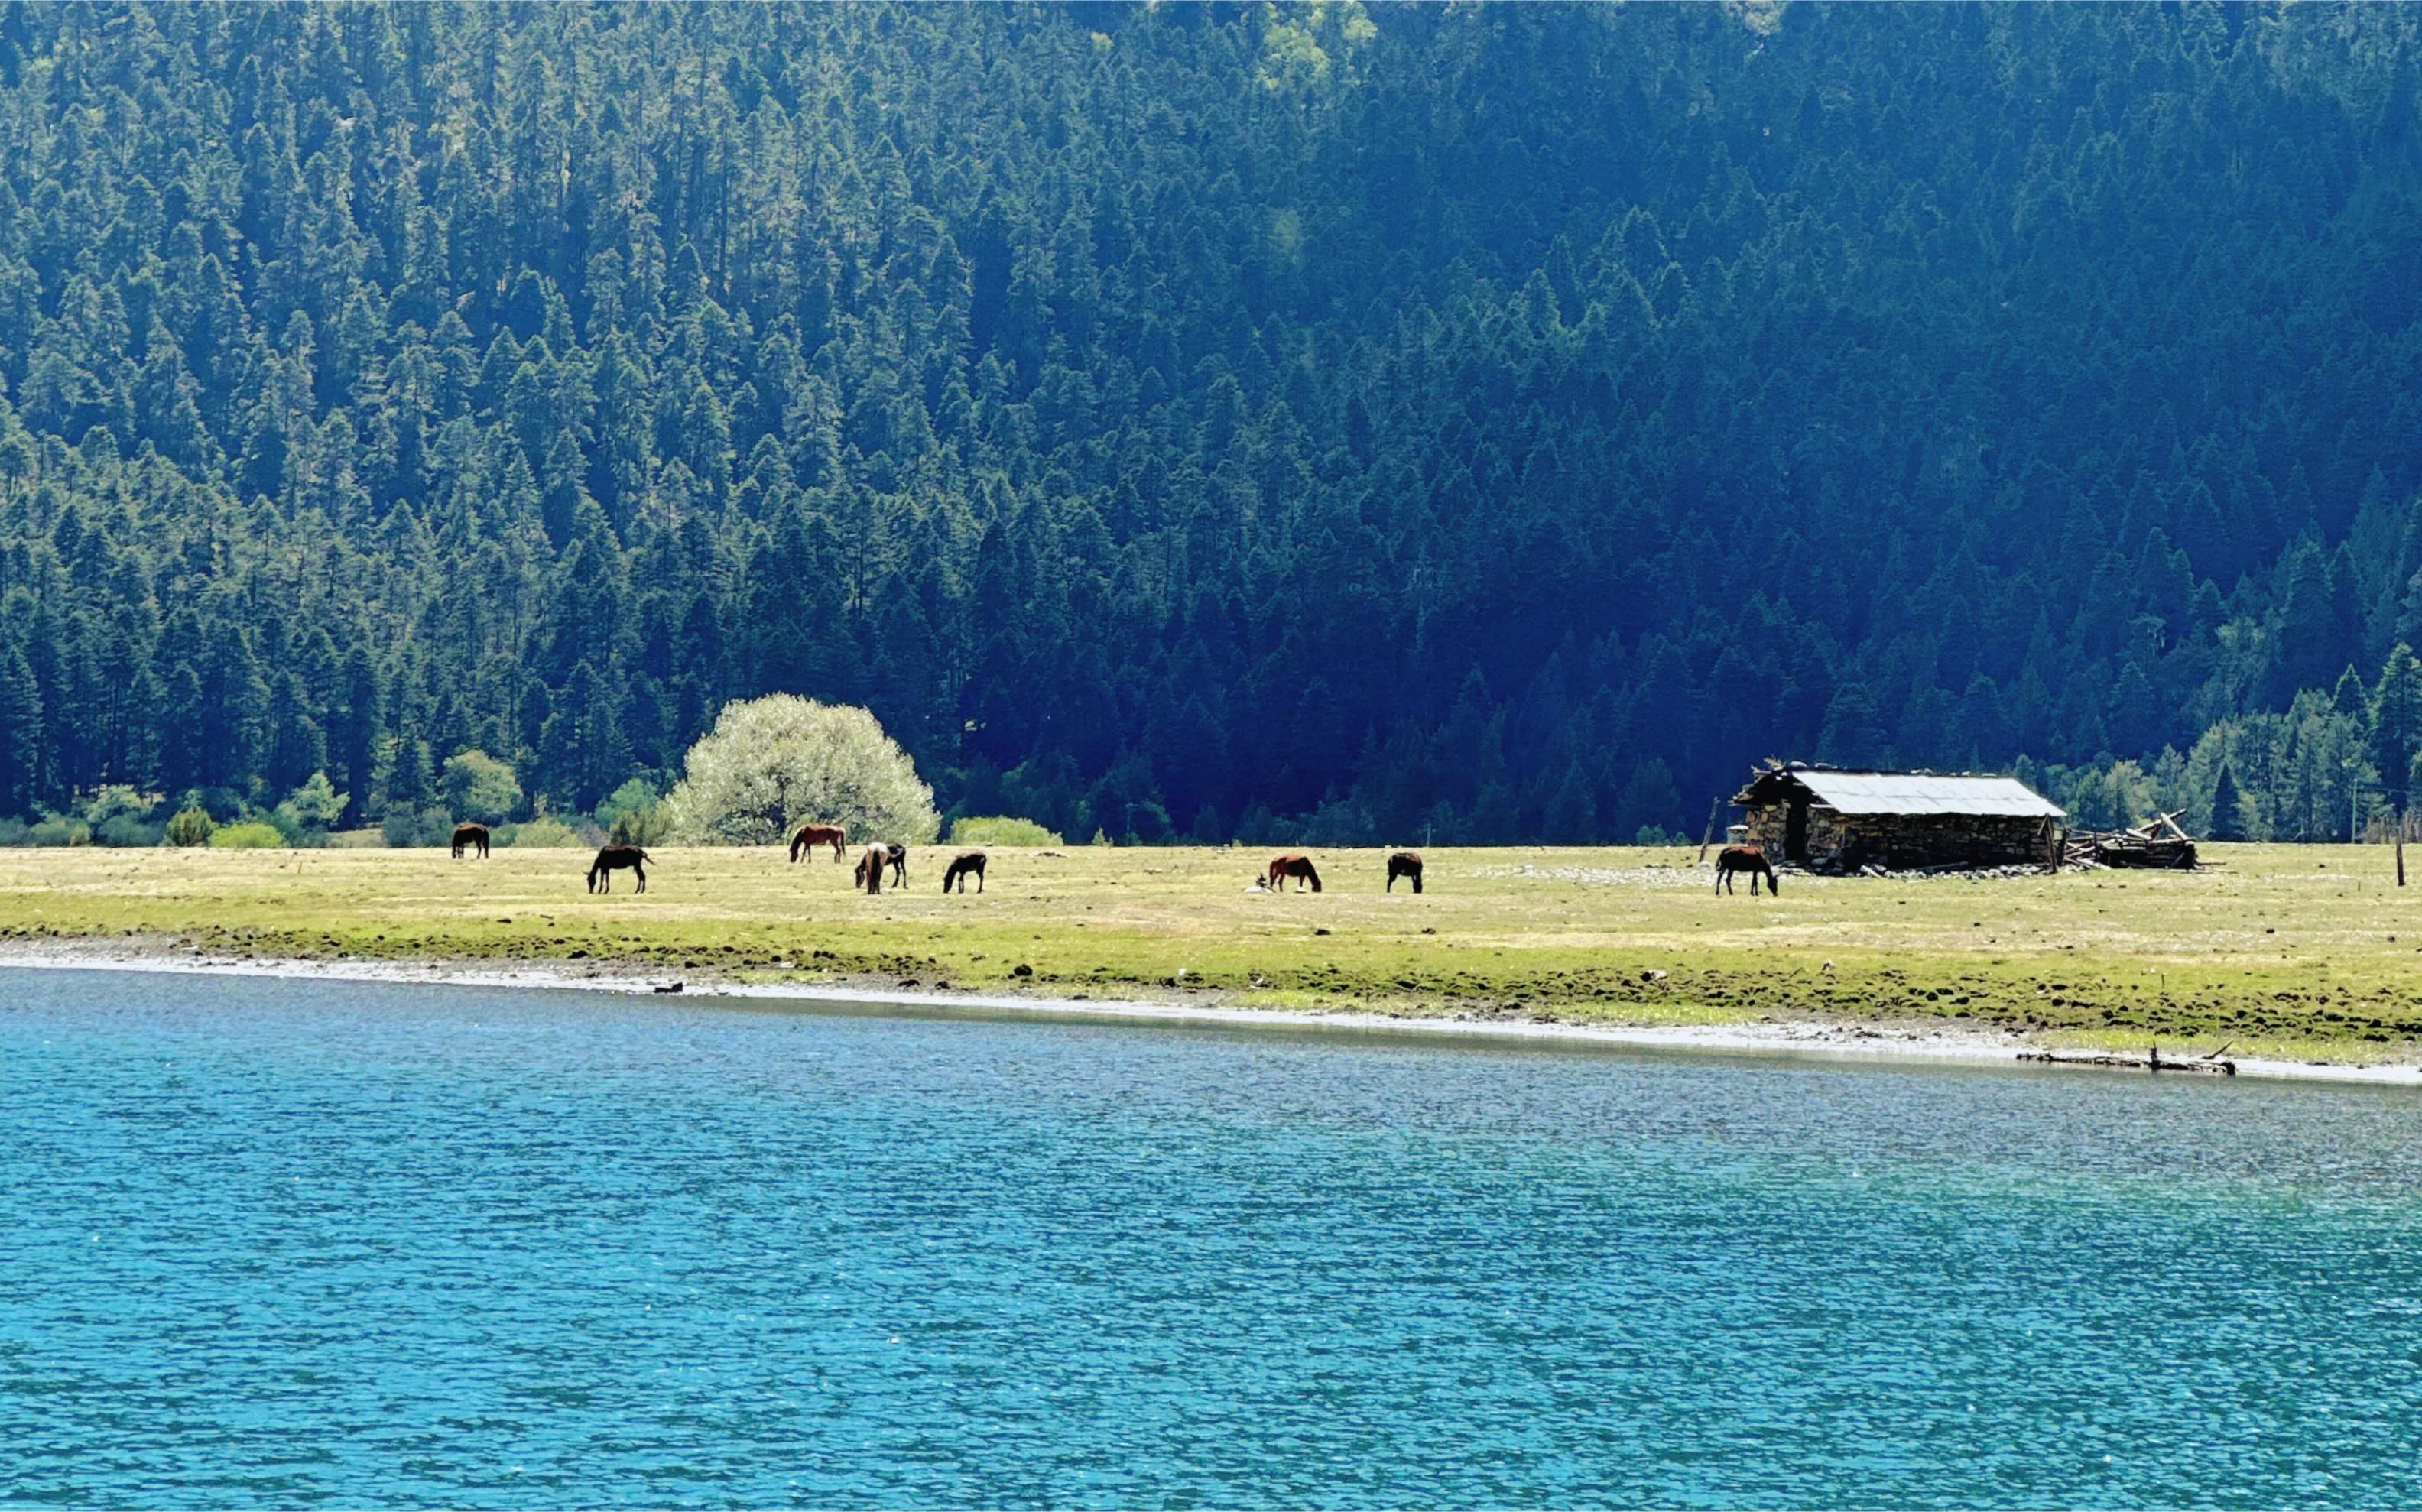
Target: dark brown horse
1405, 864
1297, 867
812, 836
1746, 859
612, 859
870, 869
470, 837
897, 854
962, 866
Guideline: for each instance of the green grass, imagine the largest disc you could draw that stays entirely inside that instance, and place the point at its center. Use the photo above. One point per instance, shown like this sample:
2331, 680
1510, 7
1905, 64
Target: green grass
2285, 949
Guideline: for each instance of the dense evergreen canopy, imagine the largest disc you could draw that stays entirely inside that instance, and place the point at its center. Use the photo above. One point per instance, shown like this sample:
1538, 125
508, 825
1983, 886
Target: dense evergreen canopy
1497, 421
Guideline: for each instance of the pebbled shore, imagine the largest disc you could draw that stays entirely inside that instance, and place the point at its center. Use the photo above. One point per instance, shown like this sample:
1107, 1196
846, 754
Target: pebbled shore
1879, 1041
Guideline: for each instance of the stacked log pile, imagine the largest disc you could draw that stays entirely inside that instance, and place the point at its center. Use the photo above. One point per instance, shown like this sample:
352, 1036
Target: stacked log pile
2157, 845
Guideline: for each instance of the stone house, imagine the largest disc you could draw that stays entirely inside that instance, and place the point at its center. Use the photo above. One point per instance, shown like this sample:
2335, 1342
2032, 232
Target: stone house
1841, 821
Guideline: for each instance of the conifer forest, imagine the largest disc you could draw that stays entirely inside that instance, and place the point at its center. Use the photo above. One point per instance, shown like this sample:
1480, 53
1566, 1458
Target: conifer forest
1347, 423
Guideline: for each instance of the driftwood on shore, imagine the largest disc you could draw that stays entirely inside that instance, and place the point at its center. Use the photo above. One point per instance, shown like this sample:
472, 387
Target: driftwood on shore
2150, 1061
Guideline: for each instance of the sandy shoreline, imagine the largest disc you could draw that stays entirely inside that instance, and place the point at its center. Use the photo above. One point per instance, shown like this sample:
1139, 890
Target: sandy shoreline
1847, 1041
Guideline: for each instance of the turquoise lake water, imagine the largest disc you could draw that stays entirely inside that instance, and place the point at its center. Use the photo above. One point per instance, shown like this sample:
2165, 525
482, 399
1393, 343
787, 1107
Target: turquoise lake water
268, 1243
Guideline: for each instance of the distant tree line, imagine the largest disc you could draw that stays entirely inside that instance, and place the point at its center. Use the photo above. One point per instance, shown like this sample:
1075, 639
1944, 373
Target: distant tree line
2337, 765
1319, 422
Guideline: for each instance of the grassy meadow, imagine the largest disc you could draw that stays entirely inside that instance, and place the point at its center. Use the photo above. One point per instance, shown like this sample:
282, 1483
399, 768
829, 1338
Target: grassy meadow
2298, 949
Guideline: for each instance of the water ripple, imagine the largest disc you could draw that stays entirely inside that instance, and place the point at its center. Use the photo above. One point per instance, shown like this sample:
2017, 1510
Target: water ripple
268, 1243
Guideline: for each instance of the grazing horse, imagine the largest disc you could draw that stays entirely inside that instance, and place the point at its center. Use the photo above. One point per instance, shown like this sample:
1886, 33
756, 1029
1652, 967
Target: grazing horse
897, 854
1746, 859
612, 859
966, 864
1405, 864
1298, 867
870, 869
470, 837
812, 836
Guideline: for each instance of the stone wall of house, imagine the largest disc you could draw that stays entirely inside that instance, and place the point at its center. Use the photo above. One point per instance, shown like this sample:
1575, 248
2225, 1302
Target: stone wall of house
1905, 842
1901, 842
1766, 828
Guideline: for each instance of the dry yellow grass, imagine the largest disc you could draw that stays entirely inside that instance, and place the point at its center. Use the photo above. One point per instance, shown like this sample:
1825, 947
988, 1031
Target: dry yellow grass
2285, 949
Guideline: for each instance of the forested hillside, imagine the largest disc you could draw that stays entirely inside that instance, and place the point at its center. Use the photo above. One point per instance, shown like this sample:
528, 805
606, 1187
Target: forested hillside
1354, 421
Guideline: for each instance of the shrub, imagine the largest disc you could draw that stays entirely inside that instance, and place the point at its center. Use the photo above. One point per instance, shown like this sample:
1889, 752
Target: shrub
126, 830
290, 827
478, 787
405, 827
633, 814
58, 829
252, 834
13, 831
114, 803
1000, 830
545, 832
356, 840
771, 763
317, 804
191, 826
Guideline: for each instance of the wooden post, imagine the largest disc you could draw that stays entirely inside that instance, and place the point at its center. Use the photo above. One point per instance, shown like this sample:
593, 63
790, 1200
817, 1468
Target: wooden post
1708, 836
2400, 854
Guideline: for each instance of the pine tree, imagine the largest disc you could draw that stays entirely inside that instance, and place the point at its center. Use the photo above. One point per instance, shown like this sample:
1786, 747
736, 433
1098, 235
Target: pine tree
21, 733
2396, 723
2227, 807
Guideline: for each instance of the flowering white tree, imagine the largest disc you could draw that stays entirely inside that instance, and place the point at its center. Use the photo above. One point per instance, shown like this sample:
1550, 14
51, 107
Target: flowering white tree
774, 762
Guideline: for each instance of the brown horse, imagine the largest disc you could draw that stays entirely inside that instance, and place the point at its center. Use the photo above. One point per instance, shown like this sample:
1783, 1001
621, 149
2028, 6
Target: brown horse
1298, 867
812, 836
870, 869
612, 859
470, 837
1405, 864
1748, 858
967, 865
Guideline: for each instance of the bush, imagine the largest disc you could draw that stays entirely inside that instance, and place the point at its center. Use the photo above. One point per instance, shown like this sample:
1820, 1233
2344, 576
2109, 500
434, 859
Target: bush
191, 826
478, 787
58, 829
315, 804
407, 828
13, 831
1000, 830
126, 830
772, 763
115, 803
633, 814
545, 832
291, 826
252, 834
356, 840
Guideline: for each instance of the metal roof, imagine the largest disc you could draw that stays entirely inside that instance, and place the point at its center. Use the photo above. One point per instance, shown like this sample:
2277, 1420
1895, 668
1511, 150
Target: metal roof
1921, 793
